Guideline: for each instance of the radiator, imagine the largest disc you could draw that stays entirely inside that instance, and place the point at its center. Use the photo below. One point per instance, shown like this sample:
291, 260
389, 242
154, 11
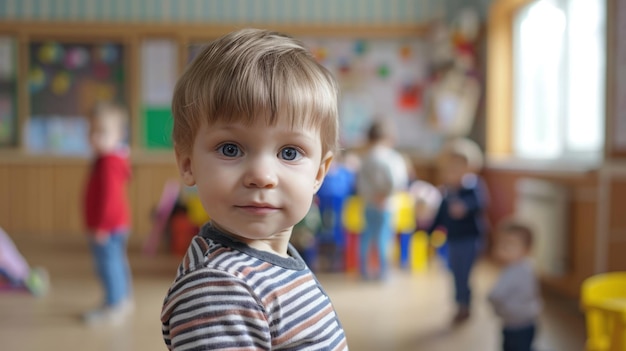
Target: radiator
543, 206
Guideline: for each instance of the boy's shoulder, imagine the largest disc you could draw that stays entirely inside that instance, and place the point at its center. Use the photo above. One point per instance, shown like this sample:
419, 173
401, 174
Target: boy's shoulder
205, 253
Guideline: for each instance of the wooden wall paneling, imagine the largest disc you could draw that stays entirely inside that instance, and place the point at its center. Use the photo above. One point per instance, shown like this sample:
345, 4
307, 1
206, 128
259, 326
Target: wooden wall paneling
143, 204
616, 259
18, 199
5, 205
582, 229
70, 182
30, 211
76, 175
45, 198
617, 224
617, 207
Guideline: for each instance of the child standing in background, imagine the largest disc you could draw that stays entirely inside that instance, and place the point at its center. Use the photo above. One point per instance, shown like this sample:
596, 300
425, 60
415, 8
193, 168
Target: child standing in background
461, 213
106, 212
255, 130
383, 173
515, 296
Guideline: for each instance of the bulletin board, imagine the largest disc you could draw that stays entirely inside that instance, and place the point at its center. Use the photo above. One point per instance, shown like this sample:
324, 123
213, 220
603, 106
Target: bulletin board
64, 81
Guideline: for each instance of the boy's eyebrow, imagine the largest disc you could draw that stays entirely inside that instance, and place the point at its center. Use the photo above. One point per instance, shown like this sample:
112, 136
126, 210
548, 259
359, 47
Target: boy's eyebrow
240, 126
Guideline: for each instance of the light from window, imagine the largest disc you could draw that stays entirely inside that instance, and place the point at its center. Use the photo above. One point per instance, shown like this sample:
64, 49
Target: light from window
559, 79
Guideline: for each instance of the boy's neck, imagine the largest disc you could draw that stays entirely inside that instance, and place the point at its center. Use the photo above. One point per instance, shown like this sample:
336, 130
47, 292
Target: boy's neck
277, 244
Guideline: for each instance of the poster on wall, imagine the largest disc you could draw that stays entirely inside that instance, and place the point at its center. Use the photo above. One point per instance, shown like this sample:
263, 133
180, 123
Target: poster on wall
619, 135
65, 80
159, 71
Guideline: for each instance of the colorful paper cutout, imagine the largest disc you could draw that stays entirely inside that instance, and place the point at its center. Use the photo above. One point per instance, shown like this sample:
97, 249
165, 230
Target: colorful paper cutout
50, 53
61, 83
107, 53
76, 58
36, 79
383, 70
360, 47
410, 97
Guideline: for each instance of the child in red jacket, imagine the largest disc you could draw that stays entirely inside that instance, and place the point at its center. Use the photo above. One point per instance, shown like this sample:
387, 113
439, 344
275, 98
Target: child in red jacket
106, 212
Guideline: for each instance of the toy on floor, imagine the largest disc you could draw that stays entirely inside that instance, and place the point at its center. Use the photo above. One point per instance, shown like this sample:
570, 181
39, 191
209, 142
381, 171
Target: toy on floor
181, 229
426, 199
16, 274
169, 196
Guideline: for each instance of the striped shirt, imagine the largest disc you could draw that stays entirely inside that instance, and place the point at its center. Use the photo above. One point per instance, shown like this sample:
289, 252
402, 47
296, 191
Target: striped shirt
229, 296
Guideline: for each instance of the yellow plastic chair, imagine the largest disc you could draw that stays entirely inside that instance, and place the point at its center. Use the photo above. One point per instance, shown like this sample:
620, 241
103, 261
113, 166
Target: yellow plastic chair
603, 299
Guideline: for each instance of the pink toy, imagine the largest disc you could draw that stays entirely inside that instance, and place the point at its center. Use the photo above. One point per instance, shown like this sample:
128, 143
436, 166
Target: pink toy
170, 193
15, 273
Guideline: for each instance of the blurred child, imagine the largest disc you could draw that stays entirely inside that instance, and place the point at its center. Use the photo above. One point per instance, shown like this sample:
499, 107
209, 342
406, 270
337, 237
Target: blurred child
339, 184
255, 130
461, 213
382, 174
15, 273
515, 296
106, 212
304, 236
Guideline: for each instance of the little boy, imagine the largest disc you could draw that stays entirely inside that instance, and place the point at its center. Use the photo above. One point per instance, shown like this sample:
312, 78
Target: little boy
106, 212
461, 213
255, 130
515, 296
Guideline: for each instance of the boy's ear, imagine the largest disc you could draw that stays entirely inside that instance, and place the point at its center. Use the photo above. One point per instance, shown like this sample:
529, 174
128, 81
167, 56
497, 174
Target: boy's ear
327, 160
184, 167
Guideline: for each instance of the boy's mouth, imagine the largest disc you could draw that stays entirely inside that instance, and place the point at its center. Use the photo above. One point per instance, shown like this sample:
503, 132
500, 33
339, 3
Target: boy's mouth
258, 208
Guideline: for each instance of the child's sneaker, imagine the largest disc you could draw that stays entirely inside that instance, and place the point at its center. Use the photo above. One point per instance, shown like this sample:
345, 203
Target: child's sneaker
113, 315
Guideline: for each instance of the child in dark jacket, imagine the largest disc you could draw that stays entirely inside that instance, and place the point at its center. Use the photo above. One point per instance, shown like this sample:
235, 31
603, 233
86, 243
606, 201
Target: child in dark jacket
461, 214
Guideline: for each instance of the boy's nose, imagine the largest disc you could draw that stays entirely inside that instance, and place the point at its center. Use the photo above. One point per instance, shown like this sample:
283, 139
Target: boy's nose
260, 175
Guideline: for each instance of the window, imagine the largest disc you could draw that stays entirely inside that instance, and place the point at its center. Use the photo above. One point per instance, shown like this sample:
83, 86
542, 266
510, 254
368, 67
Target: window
559, 64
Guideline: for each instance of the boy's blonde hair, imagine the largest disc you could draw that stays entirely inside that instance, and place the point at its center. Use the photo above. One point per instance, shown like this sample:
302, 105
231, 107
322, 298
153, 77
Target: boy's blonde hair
251, 74
111, 112
468, 150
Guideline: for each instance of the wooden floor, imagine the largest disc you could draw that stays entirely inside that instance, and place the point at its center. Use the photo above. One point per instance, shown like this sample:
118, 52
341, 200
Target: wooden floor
409, 312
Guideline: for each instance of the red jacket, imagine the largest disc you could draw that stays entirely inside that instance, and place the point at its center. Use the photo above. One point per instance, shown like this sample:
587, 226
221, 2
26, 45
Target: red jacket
106, 204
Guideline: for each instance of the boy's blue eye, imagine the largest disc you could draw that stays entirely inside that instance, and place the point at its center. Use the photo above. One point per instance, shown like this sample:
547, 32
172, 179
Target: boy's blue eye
229, 150
290, 154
